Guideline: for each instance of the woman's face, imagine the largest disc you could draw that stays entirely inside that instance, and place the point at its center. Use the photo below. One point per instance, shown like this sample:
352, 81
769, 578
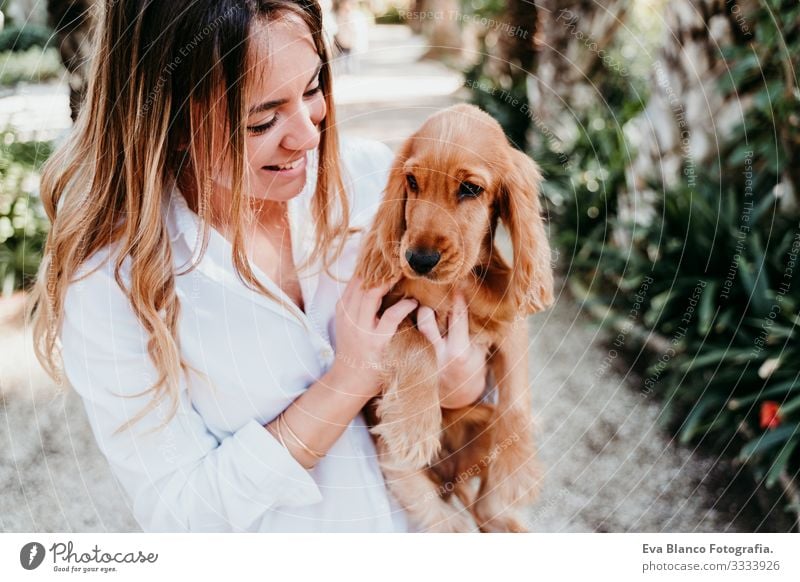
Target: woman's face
285, 105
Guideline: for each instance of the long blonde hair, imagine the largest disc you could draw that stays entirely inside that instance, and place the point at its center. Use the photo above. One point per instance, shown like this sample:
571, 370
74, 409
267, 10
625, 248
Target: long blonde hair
144, 123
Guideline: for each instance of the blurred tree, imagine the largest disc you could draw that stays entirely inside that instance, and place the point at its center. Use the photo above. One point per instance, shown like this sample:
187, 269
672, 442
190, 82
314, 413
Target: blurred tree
72, 21
573, 43
22, 12
440, 23
506, 57
688, 119
512, 34
679, 160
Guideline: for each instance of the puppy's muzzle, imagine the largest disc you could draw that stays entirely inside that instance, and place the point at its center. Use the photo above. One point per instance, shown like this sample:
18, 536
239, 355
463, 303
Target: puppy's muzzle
422, 260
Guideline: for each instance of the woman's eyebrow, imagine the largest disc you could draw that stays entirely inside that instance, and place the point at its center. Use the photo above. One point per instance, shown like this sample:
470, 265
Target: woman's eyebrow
267, 105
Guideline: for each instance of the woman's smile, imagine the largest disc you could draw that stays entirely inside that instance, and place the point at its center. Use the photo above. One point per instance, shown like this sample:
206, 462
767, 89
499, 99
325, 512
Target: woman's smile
288, 170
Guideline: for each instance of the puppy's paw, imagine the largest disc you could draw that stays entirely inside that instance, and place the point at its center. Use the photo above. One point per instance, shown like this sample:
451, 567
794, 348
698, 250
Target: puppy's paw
505, 523
455, 522
403, 447
411, 437
419, 454
515, 476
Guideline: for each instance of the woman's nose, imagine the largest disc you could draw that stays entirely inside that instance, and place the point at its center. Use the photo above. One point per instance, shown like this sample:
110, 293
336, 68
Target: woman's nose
301, 131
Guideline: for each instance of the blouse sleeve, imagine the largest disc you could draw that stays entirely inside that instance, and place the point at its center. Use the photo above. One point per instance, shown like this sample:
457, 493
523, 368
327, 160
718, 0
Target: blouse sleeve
181, 477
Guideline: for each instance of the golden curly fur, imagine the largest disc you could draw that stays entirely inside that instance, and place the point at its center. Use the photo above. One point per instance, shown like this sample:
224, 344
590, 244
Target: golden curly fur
450, 183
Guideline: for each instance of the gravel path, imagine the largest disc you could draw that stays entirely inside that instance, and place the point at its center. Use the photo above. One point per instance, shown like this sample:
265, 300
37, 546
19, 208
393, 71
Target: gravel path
607, 465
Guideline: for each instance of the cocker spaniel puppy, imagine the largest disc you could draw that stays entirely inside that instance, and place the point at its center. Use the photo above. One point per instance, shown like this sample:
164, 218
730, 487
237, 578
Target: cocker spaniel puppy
450, 184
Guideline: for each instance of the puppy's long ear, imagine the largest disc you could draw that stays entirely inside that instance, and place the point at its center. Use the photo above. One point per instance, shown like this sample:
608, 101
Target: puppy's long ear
380, 255
532, 277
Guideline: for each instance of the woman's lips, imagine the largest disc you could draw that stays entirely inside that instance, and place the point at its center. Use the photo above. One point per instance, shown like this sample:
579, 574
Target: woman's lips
298, 168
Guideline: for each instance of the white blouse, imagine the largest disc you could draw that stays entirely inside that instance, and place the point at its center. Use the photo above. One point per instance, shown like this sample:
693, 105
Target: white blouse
214, 467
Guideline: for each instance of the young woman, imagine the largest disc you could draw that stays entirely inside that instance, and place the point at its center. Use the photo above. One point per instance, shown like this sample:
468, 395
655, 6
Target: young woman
195, 280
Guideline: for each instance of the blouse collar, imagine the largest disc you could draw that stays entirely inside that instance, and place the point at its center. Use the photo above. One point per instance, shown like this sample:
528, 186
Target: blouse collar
184, 228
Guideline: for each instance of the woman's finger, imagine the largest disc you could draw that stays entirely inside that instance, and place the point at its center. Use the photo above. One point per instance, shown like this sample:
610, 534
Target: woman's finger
350, 288
426, 323
384, 287
394, 315
458, 325
371, 302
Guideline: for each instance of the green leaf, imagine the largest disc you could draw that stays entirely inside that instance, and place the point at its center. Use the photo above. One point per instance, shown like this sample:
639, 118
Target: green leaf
790, 406
753, 283
780, 462
723, 321
731, 356
706, 312
769, 201
768, 440
692, 423
784, 388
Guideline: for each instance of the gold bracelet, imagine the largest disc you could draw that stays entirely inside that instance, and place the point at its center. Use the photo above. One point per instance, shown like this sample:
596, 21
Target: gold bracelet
305, 447
279, 433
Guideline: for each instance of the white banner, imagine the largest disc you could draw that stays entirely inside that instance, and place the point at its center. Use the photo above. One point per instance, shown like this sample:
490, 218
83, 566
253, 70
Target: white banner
406, 557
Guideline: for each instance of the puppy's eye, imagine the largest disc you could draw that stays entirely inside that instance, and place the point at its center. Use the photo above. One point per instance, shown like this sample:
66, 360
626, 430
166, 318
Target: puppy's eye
469, 190
412, 183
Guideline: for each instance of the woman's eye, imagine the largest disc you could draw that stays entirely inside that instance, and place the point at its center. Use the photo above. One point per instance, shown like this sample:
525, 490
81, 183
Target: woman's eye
312, 92
263, 127
469, 190
259, 129
412, 183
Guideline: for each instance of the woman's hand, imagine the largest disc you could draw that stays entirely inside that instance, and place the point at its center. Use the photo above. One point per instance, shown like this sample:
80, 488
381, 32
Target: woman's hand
462, 363
362, 338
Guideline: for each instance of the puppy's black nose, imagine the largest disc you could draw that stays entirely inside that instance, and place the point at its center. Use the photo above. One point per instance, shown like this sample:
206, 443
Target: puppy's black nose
422, 261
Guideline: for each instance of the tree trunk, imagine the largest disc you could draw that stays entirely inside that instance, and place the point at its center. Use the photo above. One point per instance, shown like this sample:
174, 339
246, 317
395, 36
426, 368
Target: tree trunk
440, 23
687, 118
73, 21
572, 36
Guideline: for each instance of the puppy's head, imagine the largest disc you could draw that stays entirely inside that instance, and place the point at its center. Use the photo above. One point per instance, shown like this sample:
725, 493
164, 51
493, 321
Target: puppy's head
449, 181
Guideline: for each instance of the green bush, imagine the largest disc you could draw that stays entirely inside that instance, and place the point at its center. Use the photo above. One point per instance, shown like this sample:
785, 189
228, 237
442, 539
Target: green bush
725, 300
32, 66
735, 383
23, 224
721, 259
391, 16
582, 184
20, 39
